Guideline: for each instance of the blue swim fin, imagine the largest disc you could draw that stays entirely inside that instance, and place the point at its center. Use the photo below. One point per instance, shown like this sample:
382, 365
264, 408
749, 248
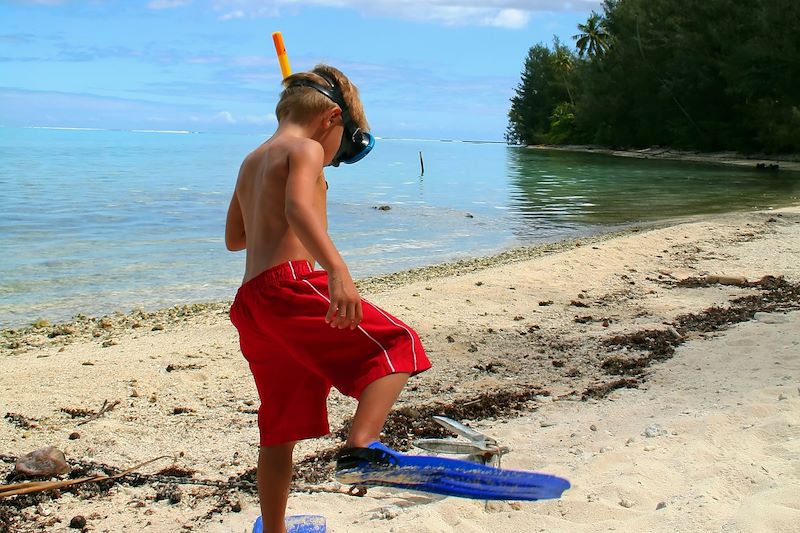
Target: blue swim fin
380, 465
301, 523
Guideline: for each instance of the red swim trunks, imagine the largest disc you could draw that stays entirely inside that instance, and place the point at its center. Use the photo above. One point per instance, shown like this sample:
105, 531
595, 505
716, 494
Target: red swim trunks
295, 356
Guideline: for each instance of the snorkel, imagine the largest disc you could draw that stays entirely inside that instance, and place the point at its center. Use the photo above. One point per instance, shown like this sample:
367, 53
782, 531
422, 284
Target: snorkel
280, 49
356, 143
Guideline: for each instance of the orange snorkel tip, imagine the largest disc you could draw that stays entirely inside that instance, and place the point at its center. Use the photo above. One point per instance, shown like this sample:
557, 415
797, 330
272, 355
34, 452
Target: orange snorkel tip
280, 49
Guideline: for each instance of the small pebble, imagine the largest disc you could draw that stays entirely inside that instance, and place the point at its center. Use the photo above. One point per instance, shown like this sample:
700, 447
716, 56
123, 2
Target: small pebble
626, 503
386, 513
654, 430
77, 522
74, 435
661, 505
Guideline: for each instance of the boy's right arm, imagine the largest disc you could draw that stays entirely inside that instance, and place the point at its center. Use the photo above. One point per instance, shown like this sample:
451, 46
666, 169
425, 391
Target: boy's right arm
235, 238
305, 166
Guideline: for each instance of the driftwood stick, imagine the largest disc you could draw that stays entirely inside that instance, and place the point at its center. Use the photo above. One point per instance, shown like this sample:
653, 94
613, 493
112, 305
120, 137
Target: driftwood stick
39, 486
106, 407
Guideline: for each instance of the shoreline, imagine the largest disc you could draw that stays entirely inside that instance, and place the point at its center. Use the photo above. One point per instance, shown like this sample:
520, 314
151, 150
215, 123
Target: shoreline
656, 370
789, 162
44, 332
369, 284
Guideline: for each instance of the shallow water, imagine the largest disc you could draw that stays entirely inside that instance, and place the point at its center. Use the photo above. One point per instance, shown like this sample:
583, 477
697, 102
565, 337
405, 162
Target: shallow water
97, 221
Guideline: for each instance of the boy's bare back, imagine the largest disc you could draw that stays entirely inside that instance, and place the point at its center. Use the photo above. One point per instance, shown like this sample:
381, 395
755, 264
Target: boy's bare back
277, 212
260, 197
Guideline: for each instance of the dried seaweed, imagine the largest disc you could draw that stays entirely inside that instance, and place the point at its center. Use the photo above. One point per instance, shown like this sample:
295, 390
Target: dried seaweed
601, 390
21, 421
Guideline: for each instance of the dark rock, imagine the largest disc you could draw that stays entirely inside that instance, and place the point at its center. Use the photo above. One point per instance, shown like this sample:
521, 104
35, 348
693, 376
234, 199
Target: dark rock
77, 522
44, 462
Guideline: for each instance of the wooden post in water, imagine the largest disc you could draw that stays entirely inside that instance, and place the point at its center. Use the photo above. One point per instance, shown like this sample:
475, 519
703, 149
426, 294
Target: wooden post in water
421, 165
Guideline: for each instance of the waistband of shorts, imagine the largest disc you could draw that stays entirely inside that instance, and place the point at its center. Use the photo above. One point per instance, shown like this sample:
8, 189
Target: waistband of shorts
272, 276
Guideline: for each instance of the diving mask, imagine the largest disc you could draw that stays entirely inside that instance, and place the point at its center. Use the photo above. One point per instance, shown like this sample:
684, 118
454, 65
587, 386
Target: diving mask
356, 143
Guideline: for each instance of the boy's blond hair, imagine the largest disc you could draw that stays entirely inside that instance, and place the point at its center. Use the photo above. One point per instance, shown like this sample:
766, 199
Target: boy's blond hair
303, 103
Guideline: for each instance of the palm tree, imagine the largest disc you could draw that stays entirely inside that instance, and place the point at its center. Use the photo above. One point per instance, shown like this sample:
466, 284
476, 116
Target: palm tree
562, 59
593, 39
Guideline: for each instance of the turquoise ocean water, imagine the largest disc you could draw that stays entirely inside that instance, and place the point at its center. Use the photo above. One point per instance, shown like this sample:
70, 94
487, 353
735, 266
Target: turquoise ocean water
98, 221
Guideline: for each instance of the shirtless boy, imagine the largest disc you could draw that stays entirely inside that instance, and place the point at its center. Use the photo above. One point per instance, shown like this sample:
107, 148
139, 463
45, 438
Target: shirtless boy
304, 330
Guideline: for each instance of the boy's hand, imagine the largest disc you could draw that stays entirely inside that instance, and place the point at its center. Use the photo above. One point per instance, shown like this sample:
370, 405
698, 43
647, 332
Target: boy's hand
345, 309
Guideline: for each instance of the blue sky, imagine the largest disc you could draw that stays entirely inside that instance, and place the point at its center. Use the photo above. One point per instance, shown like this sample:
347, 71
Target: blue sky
426, 69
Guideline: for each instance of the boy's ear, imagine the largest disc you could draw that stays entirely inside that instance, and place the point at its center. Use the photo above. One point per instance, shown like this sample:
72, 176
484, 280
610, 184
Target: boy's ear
334, 115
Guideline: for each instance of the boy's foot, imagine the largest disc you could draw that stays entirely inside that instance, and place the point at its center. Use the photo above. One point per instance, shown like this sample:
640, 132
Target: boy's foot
353, 463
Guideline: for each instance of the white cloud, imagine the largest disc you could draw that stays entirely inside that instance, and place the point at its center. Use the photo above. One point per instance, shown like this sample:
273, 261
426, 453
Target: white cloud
231, 15
227, 117
259, 120
498, 13
510, 18
44, 2
167, 4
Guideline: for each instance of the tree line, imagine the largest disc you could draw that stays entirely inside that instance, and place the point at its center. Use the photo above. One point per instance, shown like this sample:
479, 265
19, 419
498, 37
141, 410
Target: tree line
707, 75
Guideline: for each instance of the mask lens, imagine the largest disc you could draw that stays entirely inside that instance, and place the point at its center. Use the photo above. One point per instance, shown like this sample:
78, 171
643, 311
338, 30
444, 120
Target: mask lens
355, 146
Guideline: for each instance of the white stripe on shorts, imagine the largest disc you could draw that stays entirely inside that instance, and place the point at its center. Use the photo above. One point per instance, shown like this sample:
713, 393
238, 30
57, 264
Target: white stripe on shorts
410, 336
362, 330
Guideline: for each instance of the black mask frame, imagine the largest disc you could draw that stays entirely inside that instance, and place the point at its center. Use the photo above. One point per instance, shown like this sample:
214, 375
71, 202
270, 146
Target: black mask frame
356, 143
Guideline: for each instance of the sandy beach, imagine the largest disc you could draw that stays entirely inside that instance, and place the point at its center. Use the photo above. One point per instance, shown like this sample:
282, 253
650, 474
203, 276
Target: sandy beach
658, 370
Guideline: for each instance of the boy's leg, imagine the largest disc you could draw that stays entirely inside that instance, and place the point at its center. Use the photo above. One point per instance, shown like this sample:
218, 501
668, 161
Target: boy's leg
274, 475
373, 407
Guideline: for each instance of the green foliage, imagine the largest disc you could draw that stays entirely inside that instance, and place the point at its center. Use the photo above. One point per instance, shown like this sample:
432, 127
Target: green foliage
593, 39
562, 124
716, 74
547, 81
